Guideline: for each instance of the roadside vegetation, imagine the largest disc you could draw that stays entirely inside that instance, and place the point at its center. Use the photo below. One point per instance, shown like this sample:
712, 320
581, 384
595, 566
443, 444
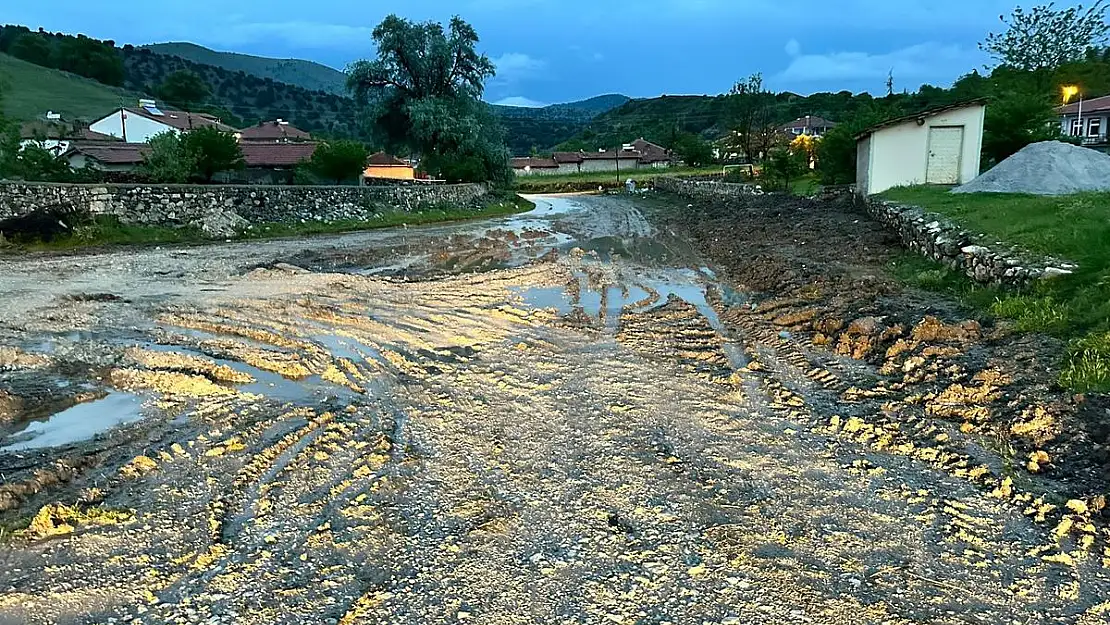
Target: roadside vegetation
104, 231
1074, 228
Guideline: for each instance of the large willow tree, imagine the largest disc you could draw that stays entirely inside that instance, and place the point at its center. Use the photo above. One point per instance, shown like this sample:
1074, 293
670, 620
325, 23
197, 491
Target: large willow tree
423, 95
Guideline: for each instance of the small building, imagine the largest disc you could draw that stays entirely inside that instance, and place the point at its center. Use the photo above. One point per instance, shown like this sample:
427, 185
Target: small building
139, 124
532, 166
568, 162
107, 156
810, 126
55, 135
387, 166
939, 146
1091, 127
611, 160
270, 163
652, 155
278, 131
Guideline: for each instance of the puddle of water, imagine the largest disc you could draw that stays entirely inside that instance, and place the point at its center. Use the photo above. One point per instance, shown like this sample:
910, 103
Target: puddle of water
547, 206
79, 423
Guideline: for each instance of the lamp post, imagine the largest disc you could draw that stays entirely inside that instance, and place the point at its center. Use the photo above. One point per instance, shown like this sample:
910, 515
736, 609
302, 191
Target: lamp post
1071, 91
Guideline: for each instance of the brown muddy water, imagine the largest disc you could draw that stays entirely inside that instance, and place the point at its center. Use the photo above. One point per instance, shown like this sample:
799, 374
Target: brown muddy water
565, 416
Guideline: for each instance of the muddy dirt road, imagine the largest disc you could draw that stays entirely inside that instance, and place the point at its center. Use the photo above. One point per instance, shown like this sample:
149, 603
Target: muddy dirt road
561, 417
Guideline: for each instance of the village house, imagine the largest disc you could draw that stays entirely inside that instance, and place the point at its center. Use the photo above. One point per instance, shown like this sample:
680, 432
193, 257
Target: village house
55, 135
640, 154
1088, 120
810, 126
140, 124
278, 131
389, 167
116, 157
939, 146
532, 166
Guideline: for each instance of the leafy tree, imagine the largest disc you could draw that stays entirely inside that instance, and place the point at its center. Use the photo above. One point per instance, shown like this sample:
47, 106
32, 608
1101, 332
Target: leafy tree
168, 161
32, 48
184, 89
39, 164
1015, 119
213, 151
339, 160
423, 94
751, 113
693, 150
1046, 37
784, 165
9, 142
99, 60
836, 151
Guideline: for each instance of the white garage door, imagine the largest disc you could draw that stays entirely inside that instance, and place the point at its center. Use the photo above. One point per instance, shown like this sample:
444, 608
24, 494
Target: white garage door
945, 147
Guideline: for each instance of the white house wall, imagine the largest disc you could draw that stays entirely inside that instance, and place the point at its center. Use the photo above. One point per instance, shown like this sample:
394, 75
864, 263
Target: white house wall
899, 155
139, 128
609, 164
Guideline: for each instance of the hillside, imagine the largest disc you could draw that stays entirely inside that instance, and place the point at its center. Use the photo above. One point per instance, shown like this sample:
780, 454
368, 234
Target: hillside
305, 74
30, 90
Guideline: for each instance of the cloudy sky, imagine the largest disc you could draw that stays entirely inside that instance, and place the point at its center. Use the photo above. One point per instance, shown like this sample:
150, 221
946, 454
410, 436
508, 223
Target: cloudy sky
563, 50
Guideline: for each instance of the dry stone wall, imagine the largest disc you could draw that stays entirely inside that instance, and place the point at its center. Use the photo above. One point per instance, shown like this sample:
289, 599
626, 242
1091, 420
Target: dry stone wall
705, 189
973, 254
225, 209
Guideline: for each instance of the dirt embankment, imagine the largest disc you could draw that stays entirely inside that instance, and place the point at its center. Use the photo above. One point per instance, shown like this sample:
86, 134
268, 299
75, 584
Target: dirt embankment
824, 272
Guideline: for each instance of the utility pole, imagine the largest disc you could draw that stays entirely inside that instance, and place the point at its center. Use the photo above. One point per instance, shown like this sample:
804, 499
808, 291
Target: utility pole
618, 161
122, 120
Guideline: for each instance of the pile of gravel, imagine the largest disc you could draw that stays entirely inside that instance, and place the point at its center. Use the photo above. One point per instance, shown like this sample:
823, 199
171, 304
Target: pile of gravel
1047, 168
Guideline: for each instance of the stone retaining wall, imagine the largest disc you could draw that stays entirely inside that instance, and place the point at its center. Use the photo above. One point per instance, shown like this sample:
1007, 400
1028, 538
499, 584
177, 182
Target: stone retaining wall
221, 210
982, 260
704, 189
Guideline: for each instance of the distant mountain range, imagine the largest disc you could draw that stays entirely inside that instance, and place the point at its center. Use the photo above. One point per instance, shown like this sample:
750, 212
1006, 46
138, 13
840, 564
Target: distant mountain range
307, 74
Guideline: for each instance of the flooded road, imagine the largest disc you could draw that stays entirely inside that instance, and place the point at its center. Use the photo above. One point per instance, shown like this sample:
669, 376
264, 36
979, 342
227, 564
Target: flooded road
564, 416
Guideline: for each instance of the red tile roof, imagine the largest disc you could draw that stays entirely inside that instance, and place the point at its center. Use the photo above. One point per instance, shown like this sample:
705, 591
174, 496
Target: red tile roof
610, 155
1094, 105
651, 152
181, 120
273, 131
381, 159
535, 163
112, 153
568, 157
276, 154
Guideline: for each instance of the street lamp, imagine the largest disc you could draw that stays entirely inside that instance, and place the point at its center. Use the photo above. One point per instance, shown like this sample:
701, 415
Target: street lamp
1070, 91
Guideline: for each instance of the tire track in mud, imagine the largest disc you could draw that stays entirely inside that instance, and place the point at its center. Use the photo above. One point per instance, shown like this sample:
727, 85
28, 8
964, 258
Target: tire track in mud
465, 454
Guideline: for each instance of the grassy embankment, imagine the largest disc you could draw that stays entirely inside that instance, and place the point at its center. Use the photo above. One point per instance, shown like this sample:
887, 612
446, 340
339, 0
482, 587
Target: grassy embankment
1074, 228
108, 231
30, 91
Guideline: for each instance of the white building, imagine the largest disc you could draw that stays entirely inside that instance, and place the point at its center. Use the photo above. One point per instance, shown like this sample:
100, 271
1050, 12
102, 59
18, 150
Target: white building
1088, 119
940, 146
139, 124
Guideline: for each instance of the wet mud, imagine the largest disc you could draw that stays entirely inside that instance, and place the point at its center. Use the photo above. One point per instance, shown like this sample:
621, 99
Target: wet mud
604, 411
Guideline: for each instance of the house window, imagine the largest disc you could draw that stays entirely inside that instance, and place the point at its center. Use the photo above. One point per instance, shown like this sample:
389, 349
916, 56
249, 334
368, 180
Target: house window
796, 131
1076, 128
1095, 127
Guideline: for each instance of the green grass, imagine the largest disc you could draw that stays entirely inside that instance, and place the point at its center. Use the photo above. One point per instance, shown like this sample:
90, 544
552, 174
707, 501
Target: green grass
107, 231
805, 186
1075, 228
30, 91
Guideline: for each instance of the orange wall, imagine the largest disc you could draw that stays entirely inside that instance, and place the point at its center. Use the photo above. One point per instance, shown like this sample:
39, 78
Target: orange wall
396, 172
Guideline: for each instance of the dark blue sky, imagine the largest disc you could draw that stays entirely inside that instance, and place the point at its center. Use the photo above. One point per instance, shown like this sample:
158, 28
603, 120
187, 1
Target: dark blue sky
563, 50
